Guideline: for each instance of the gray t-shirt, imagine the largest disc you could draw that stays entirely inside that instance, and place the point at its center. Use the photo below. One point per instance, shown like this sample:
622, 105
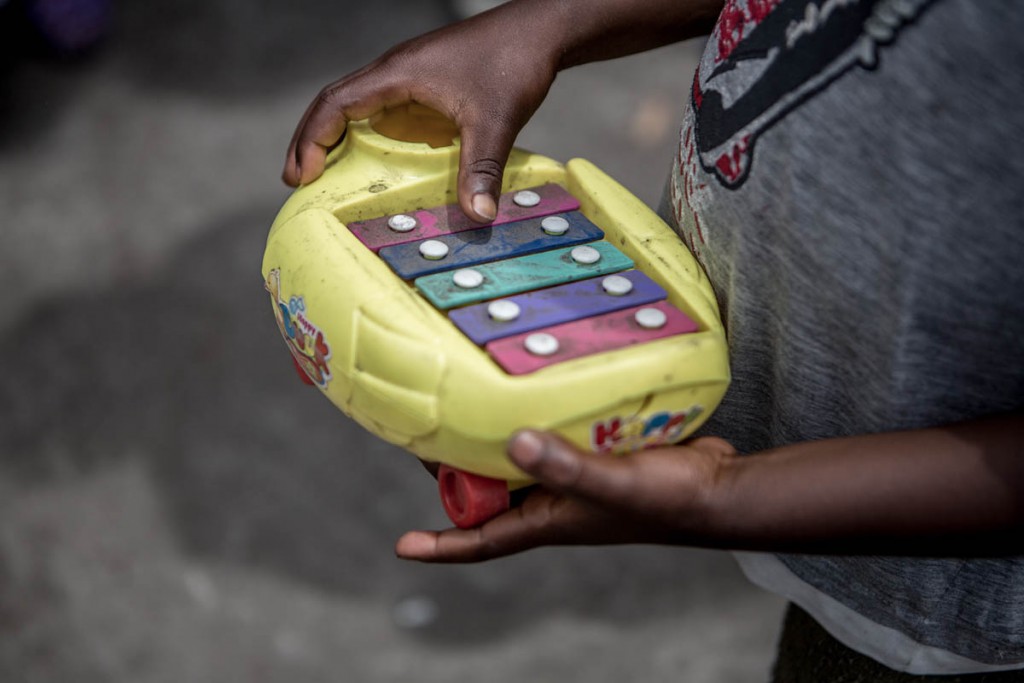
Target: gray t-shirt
850, 176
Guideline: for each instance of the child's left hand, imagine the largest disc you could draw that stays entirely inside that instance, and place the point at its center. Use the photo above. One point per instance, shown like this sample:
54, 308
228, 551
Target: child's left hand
654, 496
949, 491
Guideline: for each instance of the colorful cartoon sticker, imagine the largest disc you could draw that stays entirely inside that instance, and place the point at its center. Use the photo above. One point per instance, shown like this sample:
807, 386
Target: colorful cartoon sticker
305, 340
628, 434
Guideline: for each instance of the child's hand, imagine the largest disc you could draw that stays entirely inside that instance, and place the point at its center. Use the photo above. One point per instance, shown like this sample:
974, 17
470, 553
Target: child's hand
952, 491
654, 496
487, 74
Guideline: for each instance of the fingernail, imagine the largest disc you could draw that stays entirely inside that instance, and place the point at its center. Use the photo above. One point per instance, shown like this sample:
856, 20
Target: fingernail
414, 545
484, 205
526, 449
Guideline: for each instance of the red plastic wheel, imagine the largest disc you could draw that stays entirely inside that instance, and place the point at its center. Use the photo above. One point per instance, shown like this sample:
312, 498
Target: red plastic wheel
470, 499
306, 379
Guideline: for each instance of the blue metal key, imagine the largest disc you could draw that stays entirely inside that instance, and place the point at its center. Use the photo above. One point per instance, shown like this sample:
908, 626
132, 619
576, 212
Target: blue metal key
473, 247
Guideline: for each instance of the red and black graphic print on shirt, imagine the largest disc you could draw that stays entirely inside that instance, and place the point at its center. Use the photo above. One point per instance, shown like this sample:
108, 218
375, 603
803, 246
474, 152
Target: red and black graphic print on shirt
769, 56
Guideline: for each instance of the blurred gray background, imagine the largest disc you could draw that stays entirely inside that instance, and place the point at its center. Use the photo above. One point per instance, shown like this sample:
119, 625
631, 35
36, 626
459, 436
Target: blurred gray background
174, 504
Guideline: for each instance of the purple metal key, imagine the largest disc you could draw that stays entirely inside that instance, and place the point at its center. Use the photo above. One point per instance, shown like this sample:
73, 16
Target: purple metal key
556, 305
386, 231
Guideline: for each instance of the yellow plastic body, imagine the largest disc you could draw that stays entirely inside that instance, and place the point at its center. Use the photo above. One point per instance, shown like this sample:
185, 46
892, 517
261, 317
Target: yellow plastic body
383, 355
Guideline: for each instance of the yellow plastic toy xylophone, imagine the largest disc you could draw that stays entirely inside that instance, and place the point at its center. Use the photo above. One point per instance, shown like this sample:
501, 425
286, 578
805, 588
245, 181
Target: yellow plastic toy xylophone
577, 310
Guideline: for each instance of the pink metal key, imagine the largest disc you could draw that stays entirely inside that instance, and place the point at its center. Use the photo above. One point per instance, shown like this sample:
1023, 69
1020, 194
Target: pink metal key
525, 353
386, 231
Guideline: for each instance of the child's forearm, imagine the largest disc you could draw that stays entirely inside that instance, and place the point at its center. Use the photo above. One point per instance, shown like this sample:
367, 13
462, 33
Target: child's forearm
593, 30
951, 490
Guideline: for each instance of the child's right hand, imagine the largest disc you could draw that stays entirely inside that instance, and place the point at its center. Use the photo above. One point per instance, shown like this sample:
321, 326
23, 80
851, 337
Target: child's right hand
487, 74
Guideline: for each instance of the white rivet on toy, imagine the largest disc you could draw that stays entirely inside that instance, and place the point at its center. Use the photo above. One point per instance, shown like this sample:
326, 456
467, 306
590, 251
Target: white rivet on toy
554, 225
433, 250
616, 285
467, 278
651, 318
526, 198
402, 223
503, 310
541, 344
585, 255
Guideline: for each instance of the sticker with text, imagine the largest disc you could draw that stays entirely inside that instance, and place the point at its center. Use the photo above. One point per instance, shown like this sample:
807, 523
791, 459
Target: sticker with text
628, 434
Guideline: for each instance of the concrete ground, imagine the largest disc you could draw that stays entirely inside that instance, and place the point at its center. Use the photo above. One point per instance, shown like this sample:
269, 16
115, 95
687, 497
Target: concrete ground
174, 505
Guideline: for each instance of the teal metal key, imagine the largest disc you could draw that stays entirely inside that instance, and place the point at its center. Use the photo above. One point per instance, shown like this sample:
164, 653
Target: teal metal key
512, 276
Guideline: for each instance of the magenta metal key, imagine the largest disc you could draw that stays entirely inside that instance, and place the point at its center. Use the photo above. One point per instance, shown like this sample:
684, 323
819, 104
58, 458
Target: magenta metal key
526, 353
387, 231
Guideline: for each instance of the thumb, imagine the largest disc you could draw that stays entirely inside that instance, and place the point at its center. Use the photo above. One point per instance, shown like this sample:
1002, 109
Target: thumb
485, 150
560, 466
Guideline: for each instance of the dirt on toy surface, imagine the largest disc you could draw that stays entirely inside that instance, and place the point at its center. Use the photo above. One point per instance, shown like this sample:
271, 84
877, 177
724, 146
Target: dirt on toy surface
174, 504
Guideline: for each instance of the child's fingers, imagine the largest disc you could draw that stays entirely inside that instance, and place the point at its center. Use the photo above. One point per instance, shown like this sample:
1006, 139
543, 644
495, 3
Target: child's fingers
565, 468
461, 545
322, 126
543, 520
291, 172
485, 149
658, 485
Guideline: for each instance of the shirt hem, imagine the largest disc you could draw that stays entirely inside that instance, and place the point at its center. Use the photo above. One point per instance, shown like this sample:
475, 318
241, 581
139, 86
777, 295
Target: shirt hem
885, 645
